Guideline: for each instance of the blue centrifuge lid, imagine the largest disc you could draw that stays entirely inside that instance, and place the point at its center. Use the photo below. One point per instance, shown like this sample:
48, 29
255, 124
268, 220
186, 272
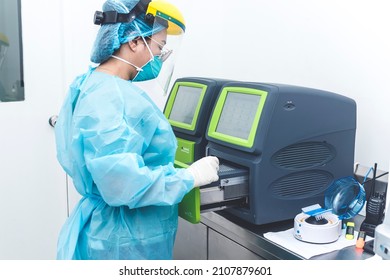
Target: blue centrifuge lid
346, 197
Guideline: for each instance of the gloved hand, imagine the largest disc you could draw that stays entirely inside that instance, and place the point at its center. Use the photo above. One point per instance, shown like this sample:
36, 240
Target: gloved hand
204, 170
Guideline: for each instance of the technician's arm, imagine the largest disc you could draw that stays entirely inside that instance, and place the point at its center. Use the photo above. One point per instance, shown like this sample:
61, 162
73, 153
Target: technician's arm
112, 152
123, 179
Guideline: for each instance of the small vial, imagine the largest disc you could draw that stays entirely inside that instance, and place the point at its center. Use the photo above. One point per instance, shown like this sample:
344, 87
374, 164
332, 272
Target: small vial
361, 240
350, 231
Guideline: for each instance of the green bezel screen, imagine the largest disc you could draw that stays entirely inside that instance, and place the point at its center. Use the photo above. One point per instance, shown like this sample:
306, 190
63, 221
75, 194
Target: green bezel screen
184, 104
236, 115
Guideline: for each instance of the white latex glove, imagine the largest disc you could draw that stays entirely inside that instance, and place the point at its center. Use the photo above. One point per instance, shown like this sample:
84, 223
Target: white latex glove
204, 170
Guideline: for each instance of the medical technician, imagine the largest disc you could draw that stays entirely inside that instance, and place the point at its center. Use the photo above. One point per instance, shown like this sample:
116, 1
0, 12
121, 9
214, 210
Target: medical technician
118, 147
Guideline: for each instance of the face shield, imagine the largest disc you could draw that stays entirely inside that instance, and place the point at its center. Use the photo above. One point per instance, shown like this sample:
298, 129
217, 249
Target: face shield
164, 45
3, 48
162, 27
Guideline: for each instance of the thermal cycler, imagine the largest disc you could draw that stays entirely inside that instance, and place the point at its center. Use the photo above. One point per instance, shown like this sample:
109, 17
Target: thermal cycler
279, 146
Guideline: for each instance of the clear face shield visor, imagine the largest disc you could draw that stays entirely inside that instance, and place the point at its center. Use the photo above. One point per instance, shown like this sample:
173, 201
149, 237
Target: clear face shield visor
164, 44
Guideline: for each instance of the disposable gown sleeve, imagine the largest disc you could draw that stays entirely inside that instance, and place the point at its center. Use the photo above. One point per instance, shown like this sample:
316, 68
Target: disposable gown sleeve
112, 151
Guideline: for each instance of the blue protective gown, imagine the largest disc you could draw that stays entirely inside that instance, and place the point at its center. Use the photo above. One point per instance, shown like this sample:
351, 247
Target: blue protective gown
119, 149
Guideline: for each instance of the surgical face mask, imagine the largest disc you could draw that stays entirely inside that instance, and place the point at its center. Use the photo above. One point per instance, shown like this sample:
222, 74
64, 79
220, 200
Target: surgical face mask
147, 72
151, 69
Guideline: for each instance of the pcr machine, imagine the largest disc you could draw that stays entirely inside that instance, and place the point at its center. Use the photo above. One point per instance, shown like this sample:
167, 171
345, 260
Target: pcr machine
188, 110
279, 147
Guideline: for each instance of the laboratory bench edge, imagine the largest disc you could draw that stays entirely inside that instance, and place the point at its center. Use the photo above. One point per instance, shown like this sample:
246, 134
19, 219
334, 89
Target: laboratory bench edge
222, 236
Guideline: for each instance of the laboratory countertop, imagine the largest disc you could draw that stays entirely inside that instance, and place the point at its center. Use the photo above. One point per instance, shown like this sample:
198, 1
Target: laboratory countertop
252, 236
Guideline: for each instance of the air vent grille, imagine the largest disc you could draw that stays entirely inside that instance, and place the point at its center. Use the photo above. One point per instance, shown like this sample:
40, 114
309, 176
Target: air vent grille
303, 155
301, 184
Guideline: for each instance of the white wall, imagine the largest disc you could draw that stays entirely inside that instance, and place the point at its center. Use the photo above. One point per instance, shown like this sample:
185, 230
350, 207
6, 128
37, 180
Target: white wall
32, 184
339, 46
